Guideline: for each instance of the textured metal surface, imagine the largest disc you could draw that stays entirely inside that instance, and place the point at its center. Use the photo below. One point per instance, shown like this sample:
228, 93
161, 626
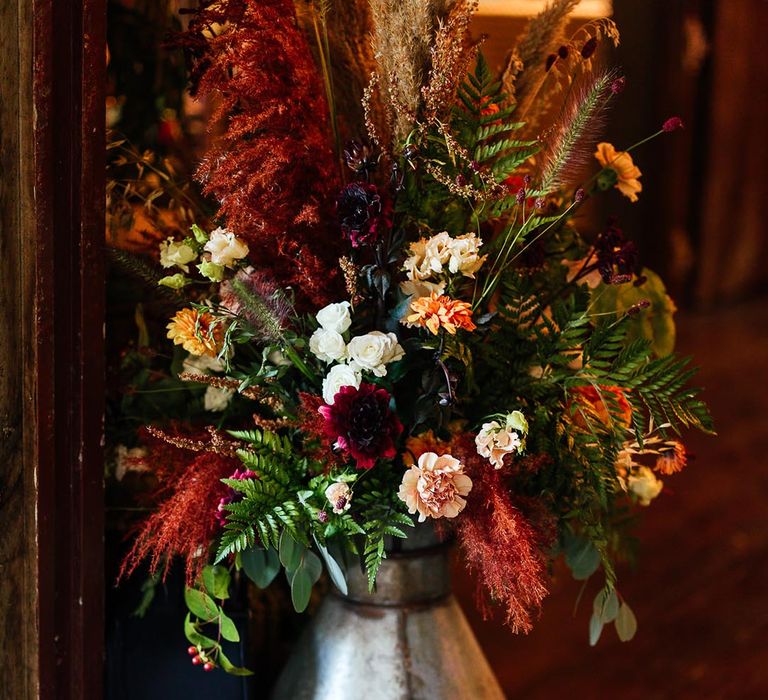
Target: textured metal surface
408, 641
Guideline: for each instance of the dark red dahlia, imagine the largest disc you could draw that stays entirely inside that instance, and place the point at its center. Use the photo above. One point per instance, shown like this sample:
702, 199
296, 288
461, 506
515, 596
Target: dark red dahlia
362, 212
361, 424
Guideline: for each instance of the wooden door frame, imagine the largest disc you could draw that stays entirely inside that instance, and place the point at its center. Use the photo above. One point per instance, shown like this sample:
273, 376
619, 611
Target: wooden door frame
52, 153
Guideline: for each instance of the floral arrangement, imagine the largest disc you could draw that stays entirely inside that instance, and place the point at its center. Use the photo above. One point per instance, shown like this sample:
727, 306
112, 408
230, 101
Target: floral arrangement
397, 319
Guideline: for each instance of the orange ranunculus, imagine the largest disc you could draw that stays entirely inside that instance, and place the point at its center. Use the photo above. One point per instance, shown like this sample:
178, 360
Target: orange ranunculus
627, 172
672, 458
591, 408
200, 333
437, 311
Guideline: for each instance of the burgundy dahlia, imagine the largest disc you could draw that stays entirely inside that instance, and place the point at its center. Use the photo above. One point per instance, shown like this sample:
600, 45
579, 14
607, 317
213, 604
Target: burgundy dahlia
361, 424
233, 496
362, 212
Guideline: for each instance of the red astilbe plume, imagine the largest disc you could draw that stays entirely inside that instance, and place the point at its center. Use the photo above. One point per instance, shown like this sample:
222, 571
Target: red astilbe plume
272, 168
184, 524
500, 543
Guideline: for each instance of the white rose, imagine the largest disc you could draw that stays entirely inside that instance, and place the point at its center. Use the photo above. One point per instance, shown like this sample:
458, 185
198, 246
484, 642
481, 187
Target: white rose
438, 252
335, 317
176, 254
217, 399
339, 495
465, 255
644, 484
339, 376
328, 346
225, 248
373, 351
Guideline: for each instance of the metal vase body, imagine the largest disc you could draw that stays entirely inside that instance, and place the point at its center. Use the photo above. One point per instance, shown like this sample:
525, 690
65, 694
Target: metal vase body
409, 640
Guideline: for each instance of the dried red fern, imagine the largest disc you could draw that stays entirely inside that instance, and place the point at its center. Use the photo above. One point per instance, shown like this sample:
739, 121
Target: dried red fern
500, 543
272, 169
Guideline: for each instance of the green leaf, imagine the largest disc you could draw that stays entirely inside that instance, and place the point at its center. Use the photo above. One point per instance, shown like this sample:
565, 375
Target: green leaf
216, 581
228, 629
582, 557
335, 572
606, 605
260, 565
312, 564
194, 637
626, 623
200, 604
301, 588
230, 668
595, 630
290, 551
147, 596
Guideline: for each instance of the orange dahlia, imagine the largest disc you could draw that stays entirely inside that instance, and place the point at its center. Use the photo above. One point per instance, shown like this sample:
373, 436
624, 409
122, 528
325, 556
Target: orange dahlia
437, 311
672, 458
200, 333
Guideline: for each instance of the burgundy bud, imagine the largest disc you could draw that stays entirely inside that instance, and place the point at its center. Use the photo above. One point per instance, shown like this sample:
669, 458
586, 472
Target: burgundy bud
579, 195
620, 279
637, 308
550, 61
589, 48
322, 516
520, 197
527, 180
563, 52
617, 85
672, 124
539, 204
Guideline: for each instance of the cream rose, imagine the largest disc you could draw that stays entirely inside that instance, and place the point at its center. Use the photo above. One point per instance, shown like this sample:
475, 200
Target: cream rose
435, 487
644, 485
374, 351
335, 317
339, 495
225, 248
465, 255
438, 252
176, 254
328, 346
337, 377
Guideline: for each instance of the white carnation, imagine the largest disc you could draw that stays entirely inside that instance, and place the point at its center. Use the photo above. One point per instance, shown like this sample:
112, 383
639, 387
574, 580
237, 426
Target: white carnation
337, 377
328, 346
465, 255
335, 317
373, 351
176, 254
225, 248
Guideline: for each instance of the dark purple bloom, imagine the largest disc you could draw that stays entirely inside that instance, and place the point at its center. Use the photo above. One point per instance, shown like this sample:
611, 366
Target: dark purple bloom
617, 85
361, 424
362, 213
359, 158
233, 496
616, 256
672, 124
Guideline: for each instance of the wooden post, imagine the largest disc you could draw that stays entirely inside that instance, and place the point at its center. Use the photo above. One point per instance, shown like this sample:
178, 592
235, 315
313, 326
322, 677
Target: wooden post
51, 348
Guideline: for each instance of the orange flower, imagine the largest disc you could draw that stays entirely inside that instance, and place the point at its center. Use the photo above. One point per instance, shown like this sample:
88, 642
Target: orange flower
417, 445
626, 171
199, 333
592, 408
436, 311
672, 458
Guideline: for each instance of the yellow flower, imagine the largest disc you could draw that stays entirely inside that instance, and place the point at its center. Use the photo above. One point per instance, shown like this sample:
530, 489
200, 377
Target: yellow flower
435, 312
199, 333
626, 171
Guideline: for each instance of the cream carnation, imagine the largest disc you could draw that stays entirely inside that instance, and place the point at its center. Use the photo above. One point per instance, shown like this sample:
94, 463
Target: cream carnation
438, 252
337, 377
374, 351
421, 288
335, 317
435, 487
328, 346
465, 255
415, 265
176, 254
339, 495
225, 248
495, 441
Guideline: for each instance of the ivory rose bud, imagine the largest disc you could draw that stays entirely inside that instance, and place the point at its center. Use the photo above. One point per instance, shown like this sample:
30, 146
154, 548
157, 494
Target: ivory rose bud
339, 376
435, 487
328, 346
339, 495
225, 248
176, 254
373, 351
644, 485
335, 317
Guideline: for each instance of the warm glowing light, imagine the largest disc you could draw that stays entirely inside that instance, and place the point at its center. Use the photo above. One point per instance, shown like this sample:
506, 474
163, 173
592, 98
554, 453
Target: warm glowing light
528, 8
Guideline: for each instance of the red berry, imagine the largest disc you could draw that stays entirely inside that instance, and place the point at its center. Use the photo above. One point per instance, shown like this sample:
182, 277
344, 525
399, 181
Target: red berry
208, 667
192, 651
197, 660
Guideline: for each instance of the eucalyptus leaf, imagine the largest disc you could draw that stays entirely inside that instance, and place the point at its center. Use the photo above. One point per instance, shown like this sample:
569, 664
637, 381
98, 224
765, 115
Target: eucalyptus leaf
216, 581
200, 604
260, 565
595, 630
290, 551
335, 572
313, 566
301, 589
606, 605
626, 623
582, 557
228, 629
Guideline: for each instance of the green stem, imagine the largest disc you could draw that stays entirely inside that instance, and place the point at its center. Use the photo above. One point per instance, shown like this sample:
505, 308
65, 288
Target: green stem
302, 366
